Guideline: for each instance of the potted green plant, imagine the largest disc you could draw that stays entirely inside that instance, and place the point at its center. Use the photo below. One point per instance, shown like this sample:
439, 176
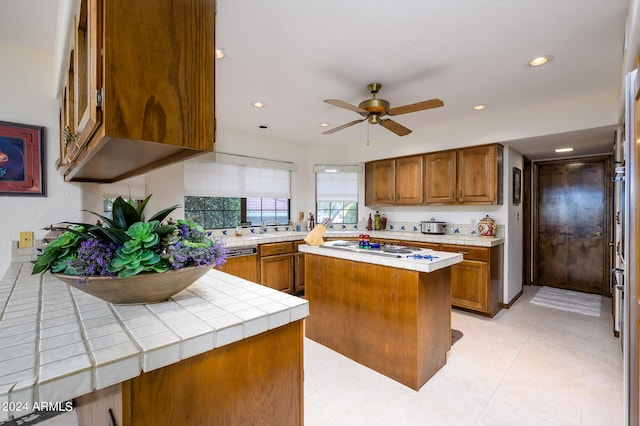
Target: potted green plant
124, 255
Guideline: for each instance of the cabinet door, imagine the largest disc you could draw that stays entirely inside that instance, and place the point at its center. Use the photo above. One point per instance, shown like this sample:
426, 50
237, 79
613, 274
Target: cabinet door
409, 180
469, 285
68, 139
380, 183
298, 269
477, 175
87, 71
440, 178
243, 267
277, 272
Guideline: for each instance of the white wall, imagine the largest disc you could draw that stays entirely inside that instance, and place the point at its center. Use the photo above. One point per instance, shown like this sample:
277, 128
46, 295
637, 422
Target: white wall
26, 84
513, 232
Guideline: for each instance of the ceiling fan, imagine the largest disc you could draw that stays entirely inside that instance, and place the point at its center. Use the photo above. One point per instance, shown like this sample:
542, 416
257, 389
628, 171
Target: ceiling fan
374, 109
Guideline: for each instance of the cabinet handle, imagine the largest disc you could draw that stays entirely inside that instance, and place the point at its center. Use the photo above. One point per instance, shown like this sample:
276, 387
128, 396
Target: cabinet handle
461, 194
451, 195
68, 136
463, 252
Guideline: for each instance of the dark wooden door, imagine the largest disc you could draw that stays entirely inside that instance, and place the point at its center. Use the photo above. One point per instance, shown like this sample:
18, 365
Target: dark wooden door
573, 224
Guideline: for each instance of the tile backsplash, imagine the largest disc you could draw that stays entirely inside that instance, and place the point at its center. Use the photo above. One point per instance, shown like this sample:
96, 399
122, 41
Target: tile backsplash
25, 254
451, 229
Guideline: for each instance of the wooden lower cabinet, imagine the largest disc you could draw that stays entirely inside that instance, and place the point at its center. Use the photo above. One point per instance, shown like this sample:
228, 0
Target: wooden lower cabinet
298, 272
298, 268
242, 266
476, 282
432, 246
276, 263
277, 272
258, 380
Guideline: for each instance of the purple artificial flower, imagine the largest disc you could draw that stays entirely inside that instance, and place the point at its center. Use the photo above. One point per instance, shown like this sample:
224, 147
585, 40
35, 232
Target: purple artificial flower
92, 258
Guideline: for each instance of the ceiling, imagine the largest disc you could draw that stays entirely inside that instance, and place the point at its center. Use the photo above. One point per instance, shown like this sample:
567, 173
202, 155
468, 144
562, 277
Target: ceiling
292, 55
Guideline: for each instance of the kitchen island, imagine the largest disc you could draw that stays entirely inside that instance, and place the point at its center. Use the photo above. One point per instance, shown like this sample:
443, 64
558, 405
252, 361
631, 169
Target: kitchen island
223, 351
391, 314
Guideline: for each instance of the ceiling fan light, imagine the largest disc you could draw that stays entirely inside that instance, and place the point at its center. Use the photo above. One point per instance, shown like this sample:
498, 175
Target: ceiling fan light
540, 60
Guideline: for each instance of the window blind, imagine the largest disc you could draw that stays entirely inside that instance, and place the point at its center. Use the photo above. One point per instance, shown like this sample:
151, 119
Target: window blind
339, 186
210, 179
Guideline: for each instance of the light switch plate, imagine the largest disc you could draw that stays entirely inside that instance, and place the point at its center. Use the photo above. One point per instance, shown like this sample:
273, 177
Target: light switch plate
26, 240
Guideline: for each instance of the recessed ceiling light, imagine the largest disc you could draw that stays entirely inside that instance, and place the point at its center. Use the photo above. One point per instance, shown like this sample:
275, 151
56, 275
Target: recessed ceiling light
540, 60
479, 107
259, 104
564, 149
220, 53
324, 124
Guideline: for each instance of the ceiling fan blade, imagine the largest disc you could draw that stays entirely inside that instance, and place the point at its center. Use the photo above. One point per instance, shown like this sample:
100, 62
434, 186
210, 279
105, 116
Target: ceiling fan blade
418, 106
344, 126
396, 128
346, 105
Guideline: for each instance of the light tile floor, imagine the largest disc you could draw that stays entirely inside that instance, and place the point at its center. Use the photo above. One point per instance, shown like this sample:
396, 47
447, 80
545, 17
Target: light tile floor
529, 365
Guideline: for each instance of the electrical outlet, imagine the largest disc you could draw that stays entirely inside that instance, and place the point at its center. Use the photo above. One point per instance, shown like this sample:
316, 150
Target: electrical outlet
26, 240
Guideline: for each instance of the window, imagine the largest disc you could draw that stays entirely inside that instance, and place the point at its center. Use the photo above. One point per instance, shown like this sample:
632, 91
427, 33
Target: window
338, 211
267, 210
225, 195
229, 212
213, 212
337, 194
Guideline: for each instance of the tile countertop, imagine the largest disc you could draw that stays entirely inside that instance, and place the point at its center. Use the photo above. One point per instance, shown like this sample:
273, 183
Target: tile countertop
465, 240
58, 343
269, 237
441, 259
274, 237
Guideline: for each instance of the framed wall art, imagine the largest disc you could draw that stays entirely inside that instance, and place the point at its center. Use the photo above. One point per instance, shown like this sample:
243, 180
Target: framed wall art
21, 159
517, 185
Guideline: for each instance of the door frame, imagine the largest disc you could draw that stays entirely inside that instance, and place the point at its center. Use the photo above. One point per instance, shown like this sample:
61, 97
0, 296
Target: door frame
608, 215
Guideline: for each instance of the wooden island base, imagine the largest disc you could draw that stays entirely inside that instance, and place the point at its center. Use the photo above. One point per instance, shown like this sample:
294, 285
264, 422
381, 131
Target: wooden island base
395, 321
258, 380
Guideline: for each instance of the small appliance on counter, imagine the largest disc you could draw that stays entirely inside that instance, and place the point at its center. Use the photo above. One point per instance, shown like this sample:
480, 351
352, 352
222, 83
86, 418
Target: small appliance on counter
432, 226
487, 227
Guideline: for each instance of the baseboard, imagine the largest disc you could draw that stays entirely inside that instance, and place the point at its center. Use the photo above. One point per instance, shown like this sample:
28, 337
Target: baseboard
510, 304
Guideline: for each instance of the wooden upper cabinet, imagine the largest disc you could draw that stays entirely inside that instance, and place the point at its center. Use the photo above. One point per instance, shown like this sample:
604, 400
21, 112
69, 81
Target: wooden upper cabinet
144, 86
409, 171
380, 183
440, 178
479, 175
87, 74
464, 176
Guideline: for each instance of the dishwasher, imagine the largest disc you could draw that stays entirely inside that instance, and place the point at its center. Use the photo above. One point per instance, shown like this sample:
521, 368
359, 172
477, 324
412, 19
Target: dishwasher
242, 261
